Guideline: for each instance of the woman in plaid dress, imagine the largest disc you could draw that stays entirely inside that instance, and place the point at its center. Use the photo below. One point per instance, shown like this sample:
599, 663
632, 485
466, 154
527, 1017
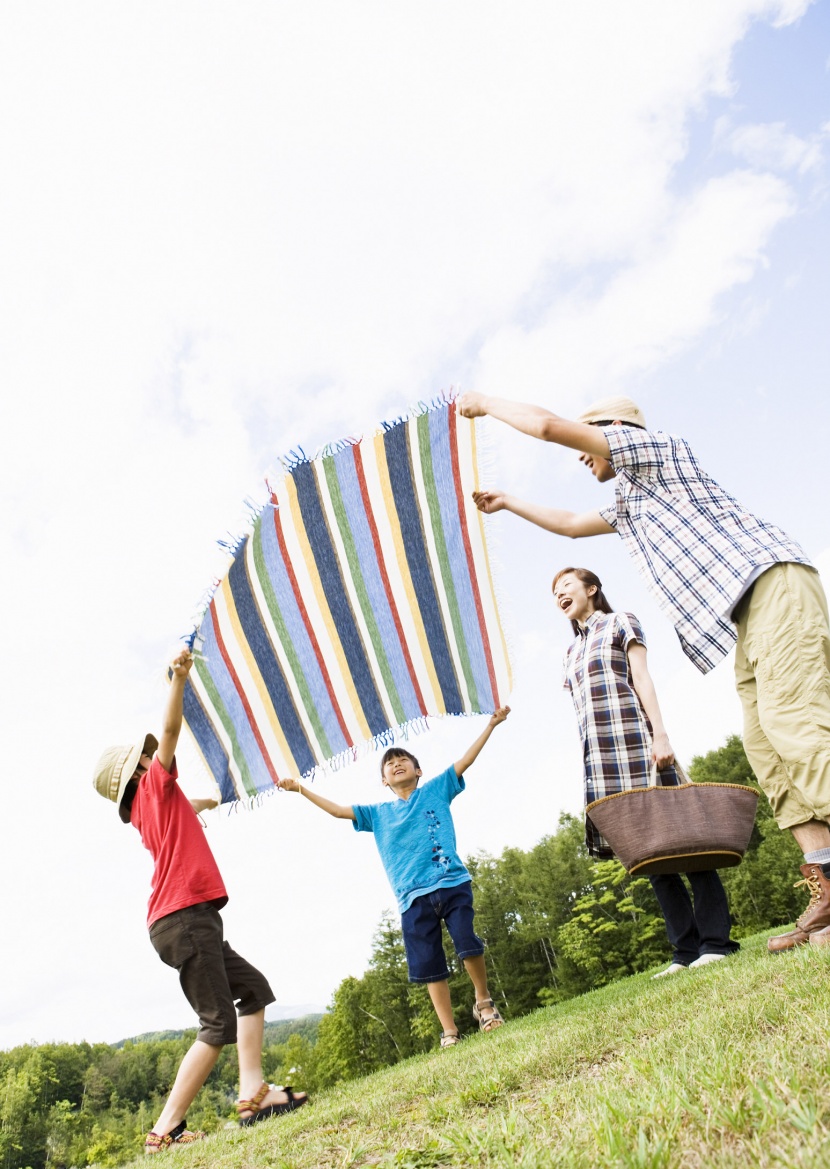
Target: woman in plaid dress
622, 736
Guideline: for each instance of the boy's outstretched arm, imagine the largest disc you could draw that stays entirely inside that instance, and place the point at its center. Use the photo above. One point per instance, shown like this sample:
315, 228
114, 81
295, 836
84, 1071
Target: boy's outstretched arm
471, 754
173, 712
339, 811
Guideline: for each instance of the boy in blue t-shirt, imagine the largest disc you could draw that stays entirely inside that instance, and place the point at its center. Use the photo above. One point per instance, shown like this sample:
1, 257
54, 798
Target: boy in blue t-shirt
416, 841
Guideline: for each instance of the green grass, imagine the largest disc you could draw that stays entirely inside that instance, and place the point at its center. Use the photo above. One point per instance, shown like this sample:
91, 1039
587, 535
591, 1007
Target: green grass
723, 1066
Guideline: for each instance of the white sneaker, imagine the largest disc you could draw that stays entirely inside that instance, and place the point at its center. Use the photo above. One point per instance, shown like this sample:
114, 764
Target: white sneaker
705, 959
675, 968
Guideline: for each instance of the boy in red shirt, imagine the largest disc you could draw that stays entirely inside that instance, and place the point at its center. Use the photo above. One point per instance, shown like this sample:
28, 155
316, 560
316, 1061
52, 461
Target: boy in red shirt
185, 925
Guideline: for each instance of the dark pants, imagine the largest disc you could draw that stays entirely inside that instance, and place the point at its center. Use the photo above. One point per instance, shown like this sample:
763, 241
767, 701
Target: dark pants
211, 974
699, 929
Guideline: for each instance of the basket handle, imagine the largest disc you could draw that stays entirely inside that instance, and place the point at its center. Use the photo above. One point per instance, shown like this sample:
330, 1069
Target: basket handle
681, 775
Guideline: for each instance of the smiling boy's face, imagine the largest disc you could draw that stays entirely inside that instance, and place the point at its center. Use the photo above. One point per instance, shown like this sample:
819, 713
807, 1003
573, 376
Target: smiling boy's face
400, 772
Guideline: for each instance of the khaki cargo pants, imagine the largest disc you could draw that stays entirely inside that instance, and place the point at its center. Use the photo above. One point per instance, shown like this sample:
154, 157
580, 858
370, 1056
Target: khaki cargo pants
782, 669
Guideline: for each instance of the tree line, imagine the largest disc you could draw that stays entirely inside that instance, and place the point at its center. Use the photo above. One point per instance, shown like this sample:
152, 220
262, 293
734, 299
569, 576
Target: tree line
556, 923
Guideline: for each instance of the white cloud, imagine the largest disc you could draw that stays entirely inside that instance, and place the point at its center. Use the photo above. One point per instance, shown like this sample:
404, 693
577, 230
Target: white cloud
771, 146
701, 247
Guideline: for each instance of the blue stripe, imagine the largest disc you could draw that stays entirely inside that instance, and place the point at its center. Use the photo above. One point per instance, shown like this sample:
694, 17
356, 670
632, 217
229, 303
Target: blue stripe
325, 558
198, 719
396, 445
365, 547
300, 640
245, 746
439, 442
266, 659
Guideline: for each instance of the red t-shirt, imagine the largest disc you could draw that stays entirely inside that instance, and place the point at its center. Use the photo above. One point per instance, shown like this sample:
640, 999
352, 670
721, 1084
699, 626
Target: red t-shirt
185, 872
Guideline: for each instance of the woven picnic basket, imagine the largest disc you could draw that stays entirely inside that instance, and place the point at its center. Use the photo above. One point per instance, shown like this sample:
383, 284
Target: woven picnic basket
680, 829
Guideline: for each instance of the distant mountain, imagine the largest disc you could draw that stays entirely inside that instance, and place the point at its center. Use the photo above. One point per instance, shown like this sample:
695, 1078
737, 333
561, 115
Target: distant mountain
285, 1021
274, 1013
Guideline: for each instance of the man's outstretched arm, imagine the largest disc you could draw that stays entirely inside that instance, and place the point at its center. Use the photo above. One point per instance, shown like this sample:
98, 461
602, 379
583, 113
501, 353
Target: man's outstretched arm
537, 422
552, 519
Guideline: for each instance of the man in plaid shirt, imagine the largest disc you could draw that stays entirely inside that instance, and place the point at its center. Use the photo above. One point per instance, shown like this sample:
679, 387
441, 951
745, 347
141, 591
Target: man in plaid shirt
722, 576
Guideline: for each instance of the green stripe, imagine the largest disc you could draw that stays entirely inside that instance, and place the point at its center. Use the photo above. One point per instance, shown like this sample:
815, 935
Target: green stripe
425, 451
226, 721
286, 642
360, 588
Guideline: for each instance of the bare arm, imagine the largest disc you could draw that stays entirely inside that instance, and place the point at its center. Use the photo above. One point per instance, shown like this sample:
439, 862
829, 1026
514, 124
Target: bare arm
552, 519
661, 752
537, 422
173, 711
471, 754
339, 811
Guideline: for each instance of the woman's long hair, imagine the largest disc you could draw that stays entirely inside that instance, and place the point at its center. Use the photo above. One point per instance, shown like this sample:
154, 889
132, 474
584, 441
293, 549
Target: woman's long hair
588, 578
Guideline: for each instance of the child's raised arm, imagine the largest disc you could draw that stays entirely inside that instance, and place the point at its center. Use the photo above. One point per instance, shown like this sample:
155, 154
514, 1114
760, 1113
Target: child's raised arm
471, 754
169, 739
339, 811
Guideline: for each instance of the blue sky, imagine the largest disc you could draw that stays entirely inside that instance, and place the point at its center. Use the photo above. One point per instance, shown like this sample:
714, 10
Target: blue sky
224, 235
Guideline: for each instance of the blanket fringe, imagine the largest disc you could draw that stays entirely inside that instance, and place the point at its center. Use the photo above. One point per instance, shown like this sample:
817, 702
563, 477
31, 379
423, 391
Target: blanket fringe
398, 734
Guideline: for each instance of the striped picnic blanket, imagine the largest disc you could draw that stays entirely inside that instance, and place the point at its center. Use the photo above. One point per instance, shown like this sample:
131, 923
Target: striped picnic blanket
361, 602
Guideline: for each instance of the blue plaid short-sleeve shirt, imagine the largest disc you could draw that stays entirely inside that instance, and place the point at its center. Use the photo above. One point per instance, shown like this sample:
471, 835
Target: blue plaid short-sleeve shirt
696, 546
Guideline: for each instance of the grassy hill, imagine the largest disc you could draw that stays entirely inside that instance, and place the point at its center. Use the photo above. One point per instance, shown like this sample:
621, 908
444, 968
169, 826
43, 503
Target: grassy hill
728, 1065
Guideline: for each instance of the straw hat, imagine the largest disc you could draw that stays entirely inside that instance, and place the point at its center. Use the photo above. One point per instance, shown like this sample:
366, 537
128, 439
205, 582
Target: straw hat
116, 767
618, 409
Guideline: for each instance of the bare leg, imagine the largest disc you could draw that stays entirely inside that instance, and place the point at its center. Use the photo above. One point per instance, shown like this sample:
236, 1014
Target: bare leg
477, 971
193, 1071
249, 1033
439, 992
812, 836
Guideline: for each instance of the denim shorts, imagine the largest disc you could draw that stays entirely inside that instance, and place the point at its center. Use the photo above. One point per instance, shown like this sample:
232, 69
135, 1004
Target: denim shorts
421, 925
212, 975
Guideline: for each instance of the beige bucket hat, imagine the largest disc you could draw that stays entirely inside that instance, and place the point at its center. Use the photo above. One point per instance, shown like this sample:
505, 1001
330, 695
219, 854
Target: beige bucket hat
612, 410
116, 767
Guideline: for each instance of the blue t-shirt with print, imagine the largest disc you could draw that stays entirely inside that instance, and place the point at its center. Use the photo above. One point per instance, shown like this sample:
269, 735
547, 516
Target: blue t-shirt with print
416, 838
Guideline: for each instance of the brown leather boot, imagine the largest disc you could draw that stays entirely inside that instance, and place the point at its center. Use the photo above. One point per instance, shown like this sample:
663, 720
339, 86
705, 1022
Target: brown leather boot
815, 917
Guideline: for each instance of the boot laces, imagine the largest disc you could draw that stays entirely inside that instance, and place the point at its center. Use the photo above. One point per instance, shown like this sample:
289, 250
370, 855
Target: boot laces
814, 887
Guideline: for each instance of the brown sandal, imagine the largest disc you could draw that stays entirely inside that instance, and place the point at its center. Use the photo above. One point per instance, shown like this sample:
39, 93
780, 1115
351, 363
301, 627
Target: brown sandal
450, 1038
180, 1135
295, 1100
492, 1021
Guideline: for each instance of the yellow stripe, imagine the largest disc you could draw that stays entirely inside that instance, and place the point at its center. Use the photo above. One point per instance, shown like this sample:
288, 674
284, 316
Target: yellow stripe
495, 609
289, 763
293, 505
403, 569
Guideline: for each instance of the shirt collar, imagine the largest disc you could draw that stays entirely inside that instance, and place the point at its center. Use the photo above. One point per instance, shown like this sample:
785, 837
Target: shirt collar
592, 620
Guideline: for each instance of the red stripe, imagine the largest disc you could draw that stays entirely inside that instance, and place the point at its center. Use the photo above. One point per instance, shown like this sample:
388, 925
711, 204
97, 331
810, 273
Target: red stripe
456, 474
304, 614
235, 679
364, 491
